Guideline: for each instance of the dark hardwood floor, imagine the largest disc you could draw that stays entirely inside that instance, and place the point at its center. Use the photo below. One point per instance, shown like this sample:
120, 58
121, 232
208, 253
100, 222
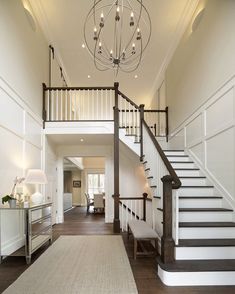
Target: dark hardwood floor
144, 268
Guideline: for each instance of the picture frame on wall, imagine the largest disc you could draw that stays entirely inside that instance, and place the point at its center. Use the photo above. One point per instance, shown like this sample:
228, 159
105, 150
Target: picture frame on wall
76, 184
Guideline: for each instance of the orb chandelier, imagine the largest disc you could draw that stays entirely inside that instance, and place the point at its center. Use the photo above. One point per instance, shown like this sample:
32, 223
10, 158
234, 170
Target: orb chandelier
116, 33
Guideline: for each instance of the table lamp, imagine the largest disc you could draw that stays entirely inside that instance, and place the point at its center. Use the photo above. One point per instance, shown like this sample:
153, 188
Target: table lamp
36, 176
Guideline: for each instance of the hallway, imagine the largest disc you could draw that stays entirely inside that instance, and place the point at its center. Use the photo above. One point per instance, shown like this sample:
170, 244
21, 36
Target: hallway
77, 222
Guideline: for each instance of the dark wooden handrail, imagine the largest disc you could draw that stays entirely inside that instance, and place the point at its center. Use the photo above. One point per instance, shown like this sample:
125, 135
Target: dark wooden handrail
77, 88
176, 181
155, 110
128, 99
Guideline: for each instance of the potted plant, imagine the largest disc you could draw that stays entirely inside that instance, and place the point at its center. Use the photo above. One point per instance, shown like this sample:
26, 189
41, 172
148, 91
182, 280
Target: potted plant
11, 198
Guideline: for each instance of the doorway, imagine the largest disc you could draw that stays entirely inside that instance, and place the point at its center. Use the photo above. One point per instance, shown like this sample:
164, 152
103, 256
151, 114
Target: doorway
84, 184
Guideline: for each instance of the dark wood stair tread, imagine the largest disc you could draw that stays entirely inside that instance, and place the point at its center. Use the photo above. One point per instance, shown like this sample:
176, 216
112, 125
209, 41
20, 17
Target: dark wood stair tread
145, 162
153, 186
200, 197
204, 209
181, 161
157, 197
173, 150
186, 169
150, 177
206, 224
147, 169
205, 242
192, 177
198, 265
177, 155
202, 186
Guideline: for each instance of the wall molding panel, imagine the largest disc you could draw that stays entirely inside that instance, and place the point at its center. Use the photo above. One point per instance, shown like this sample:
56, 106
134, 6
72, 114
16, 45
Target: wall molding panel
21, 148
208, 135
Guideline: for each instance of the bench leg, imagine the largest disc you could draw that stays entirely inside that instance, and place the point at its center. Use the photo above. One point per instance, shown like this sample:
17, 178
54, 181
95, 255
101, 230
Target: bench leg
135, 248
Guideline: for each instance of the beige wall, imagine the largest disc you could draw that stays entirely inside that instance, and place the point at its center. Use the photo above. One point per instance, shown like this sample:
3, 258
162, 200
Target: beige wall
203, 61
24, 54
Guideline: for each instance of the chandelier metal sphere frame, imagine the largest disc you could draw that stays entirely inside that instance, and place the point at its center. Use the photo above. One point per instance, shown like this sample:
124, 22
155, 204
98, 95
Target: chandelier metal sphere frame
116, 34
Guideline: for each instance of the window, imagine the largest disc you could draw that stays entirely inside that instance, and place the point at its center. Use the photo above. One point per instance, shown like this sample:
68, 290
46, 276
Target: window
95, 184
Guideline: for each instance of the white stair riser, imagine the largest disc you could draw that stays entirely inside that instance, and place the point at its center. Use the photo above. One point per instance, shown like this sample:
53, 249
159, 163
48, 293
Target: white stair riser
188, 173
205, 216
225, 252
196, 278
194, 182
196, 192
174, 153
181, 158
182, 165
200, 203
207, 233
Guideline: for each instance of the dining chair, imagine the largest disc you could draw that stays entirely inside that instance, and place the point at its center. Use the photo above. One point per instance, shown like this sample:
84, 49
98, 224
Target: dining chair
89, 201
98, 203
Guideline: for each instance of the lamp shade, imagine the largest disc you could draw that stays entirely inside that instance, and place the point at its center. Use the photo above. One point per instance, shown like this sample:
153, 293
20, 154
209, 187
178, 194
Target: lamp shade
35, 176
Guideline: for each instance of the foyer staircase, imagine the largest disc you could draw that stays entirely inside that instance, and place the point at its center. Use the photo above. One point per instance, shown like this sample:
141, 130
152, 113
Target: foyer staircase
198, 220
205, 248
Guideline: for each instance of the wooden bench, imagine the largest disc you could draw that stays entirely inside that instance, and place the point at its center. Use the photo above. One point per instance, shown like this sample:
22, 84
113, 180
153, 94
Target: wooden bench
141, 231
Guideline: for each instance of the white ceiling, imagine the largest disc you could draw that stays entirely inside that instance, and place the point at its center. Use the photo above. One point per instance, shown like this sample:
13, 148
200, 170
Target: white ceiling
75, 139
62, 22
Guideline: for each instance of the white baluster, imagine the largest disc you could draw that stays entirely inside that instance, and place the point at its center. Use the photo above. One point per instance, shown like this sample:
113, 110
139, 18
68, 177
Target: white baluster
66, 105
70, 106
48, 105
57, 104
61, 104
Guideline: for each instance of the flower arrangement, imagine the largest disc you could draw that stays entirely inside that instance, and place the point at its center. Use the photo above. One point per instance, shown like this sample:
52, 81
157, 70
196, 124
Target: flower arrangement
11, 197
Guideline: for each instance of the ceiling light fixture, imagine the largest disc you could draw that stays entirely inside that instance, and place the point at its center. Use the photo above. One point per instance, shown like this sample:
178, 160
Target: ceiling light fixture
83, 46
136, 76
89, 76
81, 140
116, 33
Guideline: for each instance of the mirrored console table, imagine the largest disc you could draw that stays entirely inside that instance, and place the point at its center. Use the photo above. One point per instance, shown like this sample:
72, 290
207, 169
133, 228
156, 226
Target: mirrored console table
37, 229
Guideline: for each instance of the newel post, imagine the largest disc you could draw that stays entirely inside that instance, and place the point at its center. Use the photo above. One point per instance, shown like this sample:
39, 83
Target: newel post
44, 113
116, 221
145, 195
167, 242
141, 107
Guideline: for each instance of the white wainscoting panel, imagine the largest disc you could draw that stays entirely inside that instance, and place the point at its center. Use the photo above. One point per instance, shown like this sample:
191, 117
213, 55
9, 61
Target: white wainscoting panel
208, 135
20, 148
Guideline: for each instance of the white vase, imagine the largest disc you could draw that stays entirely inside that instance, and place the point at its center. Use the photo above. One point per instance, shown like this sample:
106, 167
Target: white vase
12, 203
37, 198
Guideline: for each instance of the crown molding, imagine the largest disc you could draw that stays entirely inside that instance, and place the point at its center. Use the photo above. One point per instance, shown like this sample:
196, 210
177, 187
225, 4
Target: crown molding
43, 22
183, 23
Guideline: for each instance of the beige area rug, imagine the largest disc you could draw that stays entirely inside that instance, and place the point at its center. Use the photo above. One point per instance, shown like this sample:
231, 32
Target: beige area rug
79, 264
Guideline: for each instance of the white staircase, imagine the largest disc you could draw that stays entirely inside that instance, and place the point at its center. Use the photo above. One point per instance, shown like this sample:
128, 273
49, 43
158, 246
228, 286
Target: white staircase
206, 230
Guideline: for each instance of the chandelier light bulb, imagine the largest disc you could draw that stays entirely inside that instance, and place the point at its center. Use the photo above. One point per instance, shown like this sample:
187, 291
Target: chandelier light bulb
95, 34
132, 19
117, 18
102, 20
138, 34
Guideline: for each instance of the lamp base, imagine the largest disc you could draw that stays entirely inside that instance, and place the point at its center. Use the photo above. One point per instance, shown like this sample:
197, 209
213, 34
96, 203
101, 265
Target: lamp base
36, 198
